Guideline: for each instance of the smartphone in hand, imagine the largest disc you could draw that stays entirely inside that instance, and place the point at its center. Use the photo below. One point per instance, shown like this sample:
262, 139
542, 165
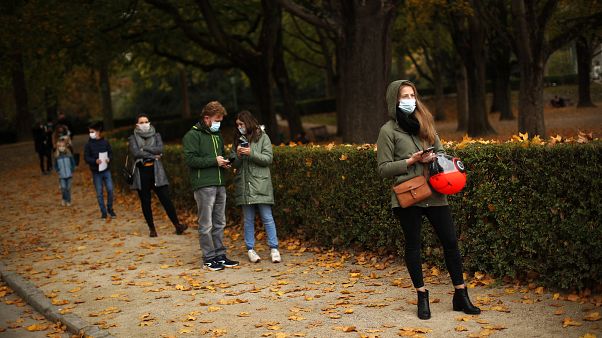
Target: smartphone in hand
428, 150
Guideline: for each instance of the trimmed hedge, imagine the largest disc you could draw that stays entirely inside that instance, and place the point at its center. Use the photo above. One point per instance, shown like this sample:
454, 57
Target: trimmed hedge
525, 210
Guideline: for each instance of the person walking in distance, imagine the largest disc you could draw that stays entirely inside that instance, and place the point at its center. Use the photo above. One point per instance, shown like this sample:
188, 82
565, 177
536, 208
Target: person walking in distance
64, 164
98, 155
204, 154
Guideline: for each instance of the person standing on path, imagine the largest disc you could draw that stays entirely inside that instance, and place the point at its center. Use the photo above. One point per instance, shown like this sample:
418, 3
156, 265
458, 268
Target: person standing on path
204, 154
401, 144
146, 147
96, 152
64, 164
43, 146
252, 151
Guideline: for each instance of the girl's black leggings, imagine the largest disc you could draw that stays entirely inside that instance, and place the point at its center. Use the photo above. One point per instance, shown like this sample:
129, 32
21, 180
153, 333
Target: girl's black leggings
147, 182
441, 219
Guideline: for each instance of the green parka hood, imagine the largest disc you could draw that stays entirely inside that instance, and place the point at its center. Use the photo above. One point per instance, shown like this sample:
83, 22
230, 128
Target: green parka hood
392, 94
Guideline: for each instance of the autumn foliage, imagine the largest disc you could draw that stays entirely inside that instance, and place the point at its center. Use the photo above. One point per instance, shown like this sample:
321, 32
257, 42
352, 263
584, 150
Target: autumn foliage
531, 207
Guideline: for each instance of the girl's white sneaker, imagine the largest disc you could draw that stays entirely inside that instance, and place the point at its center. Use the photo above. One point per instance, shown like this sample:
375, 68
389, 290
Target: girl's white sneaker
253, 256
275, 256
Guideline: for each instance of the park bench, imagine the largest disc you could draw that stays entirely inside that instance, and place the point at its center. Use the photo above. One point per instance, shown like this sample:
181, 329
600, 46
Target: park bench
320, 133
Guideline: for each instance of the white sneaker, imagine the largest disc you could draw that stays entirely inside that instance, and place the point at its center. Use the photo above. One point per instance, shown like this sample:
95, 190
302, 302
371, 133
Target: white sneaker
253, 256
275, 255
63, 203
68, 204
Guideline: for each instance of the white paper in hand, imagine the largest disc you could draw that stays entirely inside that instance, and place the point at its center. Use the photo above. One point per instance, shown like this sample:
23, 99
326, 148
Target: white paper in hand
103, 157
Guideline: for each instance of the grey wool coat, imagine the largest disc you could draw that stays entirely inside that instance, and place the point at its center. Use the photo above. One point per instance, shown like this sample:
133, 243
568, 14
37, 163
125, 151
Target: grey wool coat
395, 146
147, 153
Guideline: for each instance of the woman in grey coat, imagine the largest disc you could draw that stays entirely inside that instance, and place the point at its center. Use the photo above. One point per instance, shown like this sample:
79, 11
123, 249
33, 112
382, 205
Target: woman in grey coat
146, 148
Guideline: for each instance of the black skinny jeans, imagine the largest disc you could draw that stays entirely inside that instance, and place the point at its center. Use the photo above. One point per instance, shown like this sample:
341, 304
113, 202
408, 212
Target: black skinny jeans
441, 219
147, 183
48, 156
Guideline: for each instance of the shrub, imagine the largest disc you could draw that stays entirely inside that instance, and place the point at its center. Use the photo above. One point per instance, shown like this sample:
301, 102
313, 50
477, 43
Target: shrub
525, 209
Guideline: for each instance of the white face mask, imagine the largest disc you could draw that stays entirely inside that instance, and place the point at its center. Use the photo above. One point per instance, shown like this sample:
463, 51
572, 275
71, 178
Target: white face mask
144, 127
242, 130
215, 126
62, 149
93, 135
407, 105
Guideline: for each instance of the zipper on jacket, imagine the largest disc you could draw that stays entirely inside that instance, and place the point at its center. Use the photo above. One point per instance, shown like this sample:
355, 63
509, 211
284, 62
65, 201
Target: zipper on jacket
215, 144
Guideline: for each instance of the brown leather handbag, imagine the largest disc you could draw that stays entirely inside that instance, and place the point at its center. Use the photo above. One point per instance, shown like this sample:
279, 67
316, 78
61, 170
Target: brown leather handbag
412, 191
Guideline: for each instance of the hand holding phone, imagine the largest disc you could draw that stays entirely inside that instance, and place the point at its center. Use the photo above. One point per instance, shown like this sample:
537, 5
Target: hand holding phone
428, 150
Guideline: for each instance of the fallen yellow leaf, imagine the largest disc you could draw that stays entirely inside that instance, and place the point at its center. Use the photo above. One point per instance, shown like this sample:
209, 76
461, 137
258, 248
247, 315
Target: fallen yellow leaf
593, 316
568, 321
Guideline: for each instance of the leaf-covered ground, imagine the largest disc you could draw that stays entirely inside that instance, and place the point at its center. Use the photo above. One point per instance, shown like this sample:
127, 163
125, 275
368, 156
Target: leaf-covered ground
112, 274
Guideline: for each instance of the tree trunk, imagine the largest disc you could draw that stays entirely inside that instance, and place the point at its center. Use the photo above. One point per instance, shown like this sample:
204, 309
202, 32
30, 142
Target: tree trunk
329, 71
363, 62
530, 100
475, 62
584, 59
184, 90
50, 103
24, 116
462, 98
105, 93
260, 79
289, 107
500, 75
439, 95
469, 34
531, 57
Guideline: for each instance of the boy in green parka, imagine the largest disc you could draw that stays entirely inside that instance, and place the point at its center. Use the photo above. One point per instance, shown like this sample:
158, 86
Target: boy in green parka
204, 154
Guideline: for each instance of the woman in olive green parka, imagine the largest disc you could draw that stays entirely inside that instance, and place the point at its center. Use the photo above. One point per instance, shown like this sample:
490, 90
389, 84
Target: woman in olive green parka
401, 155
252, 151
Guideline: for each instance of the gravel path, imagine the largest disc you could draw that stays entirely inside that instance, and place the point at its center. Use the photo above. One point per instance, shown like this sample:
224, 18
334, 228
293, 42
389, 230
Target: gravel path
113, 275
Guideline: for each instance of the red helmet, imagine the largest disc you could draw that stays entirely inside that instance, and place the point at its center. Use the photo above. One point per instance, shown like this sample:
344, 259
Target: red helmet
448, 175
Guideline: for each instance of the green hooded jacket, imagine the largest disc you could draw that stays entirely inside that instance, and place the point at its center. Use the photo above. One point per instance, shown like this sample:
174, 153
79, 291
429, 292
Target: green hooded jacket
395, 146
201, 147
253, 180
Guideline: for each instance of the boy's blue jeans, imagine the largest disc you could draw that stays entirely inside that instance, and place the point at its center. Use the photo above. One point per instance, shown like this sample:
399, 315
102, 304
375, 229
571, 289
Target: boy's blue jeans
65, 184
99, 178
265, 212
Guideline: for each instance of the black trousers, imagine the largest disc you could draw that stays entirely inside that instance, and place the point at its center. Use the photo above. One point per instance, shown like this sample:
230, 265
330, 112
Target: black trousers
147, 182
48, 156
441, 219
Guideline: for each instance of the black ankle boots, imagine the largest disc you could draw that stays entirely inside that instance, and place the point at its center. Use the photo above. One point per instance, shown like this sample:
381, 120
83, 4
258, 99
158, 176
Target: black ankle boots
461, 302
424, 310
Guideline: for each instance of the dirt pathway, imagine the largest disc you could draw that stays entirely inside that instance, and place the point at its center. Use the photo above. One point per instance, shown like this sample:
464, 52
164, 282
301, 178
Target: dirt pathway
112, 274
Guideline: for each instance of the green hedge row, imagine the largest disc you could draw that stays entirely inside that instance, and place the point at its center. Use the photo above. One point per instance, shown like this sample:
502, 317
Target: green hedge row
525, 210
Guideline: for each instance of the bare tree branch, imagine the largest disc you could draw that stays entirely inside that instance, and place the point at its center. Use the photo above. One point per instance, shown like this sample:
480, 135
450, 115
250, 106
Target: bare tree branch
302, 13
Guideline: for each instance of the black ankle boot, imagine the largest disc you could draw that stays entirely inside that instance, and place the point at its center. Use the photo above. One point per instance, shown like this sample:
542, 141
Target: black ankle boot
461, 302
424, 310
153, 232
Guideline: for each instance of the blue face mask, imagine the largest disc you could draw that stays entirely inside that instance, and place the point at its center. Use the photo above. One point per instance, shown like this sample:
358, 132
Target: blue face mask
407, 105
214, 126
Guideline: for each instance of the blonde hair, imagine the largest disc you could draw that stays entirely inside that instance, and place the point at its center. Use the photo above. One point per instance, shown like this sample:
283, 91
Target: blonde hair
213, 108
423, 115
64, 144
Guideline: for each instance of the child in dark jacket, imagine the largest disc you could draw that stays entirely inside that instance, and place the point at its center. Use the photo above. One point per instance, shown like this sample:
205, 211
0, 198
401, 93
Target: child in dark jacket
98, 155
64, 164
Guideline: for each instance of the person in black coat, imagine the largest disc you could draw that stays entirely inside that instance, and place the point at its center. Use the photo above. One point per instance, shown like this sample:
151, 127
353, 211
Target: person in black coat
42, 141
